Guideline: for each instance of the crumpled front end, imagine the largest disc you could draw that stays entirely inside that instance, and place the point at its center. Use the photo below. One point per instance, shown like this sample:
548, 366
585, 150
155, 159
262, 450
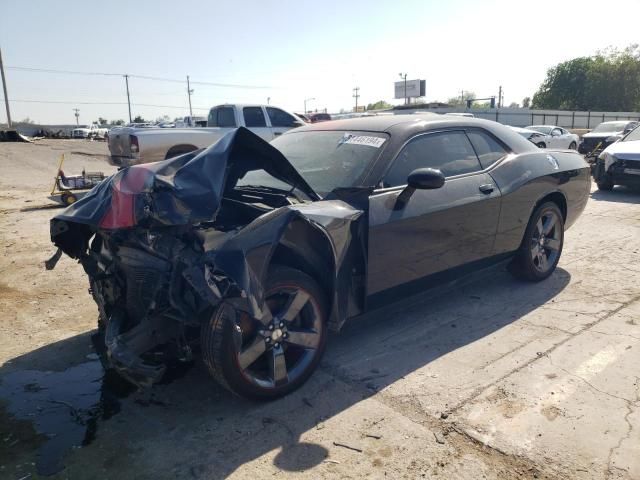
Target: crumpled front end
165, 244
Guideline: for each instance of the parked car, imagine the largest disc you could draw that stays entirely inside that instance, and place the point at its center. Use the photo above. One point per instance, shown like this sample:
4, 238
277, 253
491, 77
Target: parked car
263, 248
319, 117
535, 137
619, 163
134, 146
461, 114
556, 137
89, 131
604, 135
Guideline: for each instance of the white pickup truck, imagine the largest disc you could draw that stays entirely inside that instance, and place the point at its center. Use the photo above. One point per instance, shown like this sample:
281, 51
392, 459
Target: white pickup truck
130, 146
88, 131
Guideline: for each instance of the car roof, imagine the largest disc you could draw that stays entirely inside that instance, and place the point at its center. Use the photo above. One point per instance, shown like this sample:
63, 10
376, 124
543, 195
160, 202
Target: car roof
384, 123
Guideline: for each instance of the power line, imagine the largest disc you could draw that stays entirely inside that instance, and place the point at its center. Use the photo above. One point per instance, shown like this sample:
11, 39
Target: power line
141, 77
65, 102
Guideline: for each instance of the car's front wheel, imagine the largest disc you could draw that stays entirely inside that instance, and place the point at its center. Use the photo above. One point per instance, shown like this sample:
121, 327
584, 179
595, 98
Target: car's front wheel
541, 247
269, 358
573, 146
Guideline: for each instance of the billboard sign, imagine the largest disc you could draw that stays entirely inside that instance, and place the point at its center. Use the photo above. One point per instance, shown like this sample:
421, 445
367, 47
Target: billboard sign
415, 88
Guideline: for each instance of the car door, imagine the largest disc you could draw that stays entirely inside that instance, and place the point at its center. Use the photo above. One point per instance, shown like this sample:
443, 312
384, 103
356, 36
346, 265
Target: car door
256, 121
437, 230
556, 139
280, 121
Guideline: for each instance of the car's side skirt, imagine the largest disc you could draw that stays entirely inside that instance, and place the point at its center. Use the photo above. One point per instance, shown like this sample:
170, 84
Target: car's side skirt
445, 280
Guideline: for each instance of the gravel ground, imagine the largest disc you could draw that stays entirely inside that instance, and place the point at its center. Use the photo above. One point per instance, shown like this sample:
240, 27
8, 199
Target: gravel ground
490, 379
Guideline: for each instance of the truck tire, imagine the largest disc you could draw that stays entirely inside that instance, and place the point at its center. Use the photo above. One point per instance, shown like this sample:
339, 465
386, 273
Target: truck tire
178, 150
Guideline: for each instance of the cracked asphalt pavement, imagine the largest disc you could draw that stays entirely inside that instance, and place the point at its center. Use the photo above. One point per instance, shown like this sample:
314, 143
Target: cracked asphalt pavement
489, 378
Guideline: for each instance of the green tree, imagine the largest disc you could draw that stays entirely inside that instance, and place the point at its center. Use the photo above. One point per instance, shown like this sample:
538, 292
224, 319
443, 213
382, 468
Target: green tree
461, 102
526, 102
102, 121
139, 119
117, 122
379, 105
609, 81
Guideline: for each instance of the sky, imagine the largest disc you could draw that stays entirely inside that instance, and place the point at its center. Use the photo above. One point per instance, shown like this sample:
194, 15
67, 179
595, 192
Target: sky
286, 51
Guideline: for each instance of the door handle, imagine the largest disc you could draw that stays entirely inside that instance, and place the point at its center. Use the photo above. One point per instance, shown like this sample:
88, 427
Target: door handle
487, 188
277, 133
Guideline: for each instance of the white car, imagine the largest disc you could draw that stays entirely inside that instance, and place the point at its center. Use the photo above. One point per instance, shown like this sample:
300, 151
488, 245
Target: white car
556, 137
535, 137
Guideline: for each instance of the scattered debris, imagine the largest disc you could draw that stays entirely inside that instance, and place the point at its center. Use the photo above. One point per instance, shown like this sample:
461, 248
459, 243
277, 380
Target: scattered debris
370, 435
439, 438
327, 460
349, 447
444, 415
13, 136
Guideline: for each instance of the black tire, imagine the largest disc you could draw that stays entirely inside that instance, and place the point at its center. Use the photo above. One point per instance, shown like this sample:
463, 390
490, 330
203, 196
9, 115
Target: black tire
573, 146
540, 239
179, 150
605, 186
228, 332
541, 145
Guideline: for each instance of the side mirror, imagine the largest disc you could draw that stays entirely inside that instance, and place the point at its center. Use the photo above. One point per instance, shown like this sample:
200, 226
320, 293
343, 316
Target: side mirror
419, 179
296, 123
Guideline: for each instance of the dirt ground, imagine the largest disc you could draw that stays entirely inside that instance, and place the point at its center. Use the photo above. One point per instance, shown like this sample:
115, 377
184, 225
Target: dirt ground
491, 378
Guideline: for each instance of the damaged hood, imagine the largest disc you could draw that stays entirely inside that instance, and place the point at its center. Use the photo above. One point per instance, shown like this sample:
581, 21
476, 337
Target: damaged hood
180, 191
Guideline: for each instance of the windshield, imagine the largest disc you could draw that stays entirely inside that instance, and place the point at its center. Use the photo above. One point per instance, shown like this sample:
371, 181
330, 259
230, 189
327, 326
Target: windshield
610, 127
325, 159
633, 135
545, 130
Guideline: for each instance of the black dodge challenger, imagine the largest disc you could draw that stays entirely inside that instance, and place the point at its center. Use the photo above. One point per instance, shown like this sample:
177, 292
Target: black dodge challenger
248, 253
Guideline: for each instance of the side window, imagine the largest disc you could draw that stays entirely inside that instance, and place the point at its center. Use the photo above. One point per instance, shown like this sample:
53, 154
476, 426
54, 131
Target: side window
279, 118
220, 117
450, 152
254, 117
488, 148
556, 132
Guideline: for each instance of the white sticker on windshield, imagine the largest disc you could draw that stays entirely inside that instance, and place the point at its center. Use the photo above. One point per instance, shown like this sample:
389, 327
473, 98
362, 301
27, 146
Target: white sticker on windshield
375, 142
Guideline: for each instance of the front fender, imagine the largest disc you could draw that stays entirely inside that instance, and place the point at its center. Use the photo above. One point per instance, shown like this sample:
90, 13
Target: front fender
237, 270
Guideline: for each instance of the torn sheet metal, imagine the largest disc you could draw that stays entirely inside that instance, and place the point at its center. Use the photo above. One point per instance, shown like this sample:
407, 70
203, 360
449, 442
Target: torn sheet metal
185, 190
184, 239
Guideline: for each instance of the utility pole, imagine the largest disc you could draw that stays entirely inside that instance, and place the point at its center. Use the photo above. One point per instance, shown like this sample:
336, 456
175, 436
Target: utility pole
461, 96
268, 100
4, 88
305, 104
404, 77
77, 114
356, 95
126, 80
189, 92
500, 96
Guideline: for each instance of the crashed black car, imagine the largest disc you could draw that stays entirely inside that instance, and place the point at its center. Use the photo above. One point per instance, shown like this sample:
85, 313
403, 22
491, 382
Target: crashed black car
250, 252
604, 135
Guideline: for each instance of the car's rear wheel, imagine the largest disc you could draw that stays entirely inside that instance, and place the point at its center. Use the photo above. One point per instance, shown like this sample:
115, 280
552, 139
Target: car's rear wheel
605, 185
267, 359
573, 146
541, 247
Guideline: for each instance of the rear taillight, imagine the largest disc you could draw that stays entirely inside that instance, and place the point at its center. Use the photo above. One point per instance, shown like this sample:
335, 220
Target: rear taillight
135, 148
125, 191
